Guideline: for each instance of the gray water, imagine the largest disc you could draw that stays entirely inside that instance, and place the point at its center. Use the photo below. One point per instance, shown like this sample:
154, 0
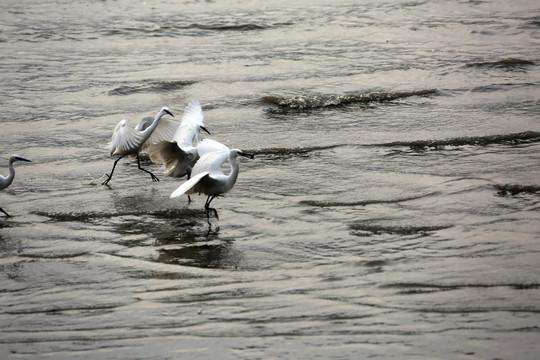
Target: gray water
391, 211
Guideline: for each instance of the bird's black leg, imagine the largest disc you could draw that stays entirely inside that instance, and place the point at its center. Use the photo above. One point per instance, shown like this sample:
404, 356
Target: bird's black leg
2, 210
109, 177
208, 208
189, 177
154, 178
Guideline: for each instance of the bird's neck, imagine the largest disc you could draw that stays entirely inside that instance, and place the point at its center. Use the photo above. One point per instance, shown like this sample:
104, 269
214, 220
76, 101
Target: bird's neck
148, 131
11, 175
235, 167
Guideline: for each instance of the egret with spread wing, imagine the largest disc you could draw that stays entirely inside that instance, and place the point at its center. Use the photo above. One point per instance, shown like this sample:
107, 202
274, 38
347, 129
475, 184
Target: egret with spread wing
128, 141
207, 176
6, 181
179, 154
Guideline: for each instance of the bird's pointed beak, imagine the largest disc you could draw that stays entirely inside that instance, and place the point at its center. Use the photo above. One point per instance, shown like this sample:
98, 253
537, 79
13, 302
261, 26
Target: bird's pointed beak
22, 159
168, 112
251, 156
205, 129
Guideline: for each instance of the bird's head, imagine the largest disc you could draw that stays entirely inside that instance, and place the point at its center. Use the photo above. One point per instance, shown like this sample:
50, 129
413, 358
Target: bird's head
16, 157
166, 111
241, 153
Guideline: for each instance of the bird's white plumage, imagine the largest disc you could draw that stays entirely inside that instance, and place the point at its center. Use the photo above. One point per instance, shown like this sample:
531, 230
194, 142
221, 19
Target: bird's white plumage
164, 132
207, 146
125, 140
179, 153
144, 123
6, 181
128, 141
188, 185
193, 113
184, 135
211, 163
207, 176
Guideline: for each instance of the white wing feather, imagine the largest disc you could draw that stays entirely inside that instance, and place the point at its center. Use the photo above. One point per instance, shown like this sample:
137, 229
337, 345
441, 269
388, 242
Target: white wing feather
210, 163
185, 134
207, 146
188, 185
125, 140
163, 132
193, 113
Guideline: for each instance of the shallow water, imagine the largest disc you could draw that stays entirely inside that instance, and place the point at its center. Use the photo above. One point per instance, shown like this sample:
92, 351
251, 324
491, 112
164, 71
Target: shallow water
391, 210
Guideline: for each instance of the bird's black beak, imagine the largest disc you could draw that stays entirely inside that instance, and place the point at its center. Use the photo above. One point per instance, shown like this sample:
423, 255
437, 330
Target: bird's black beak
205, 130
22, 159
170, 113
251, 156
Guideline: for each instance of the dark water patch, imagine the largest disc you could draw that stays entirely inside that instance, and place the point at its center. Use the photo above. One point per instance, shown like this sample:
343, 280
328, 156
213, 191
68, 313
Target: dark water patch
367, 229
162, 275
151, 86
502, 86
213, 296
309, 102
374, 263
516, 189
91, 216
534, 23
324, 204
505, 64
183, 29
443, 287
275, 153
227, 27
507, 139
55, 310
219, 255
54, 256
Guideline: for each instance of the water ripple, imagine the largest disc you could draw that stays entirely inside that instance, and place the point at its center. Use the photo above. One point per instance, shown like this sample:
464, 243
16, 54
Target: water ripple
150, 86
506, 139
307, 102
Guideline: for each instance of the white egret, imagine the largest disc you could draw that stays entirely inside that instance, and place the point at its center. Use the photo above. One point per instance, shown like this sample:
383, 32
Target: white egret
179, 154
207, 176
6, 181
128, 141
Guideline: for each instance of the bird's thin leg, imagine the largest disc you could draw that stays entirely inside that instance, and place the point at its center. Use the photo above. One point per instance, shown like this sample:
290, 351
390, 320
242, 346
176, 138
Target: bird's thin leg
2, 210
154, 178
109, 177
208, 208
189, 177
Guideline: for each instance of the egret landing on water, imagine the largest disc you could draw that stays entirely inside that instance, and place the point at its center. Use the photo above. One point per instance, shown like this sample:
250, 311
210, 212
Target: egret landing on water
207, 176
6, 181
128, 141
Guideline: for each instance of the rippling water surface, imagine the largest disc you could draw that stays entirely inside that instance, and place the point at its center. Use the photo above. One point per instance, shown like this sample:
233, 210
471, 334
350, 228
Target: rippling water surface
392, 209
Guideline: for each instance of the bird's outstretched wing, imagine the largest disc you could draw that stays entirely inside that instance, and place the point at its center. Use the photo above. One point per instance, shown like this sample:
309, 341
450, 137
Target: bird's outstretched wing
185, 134
193, 113
211, 163
164, 151
207, 146
163, 132
188, 185
125, 140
